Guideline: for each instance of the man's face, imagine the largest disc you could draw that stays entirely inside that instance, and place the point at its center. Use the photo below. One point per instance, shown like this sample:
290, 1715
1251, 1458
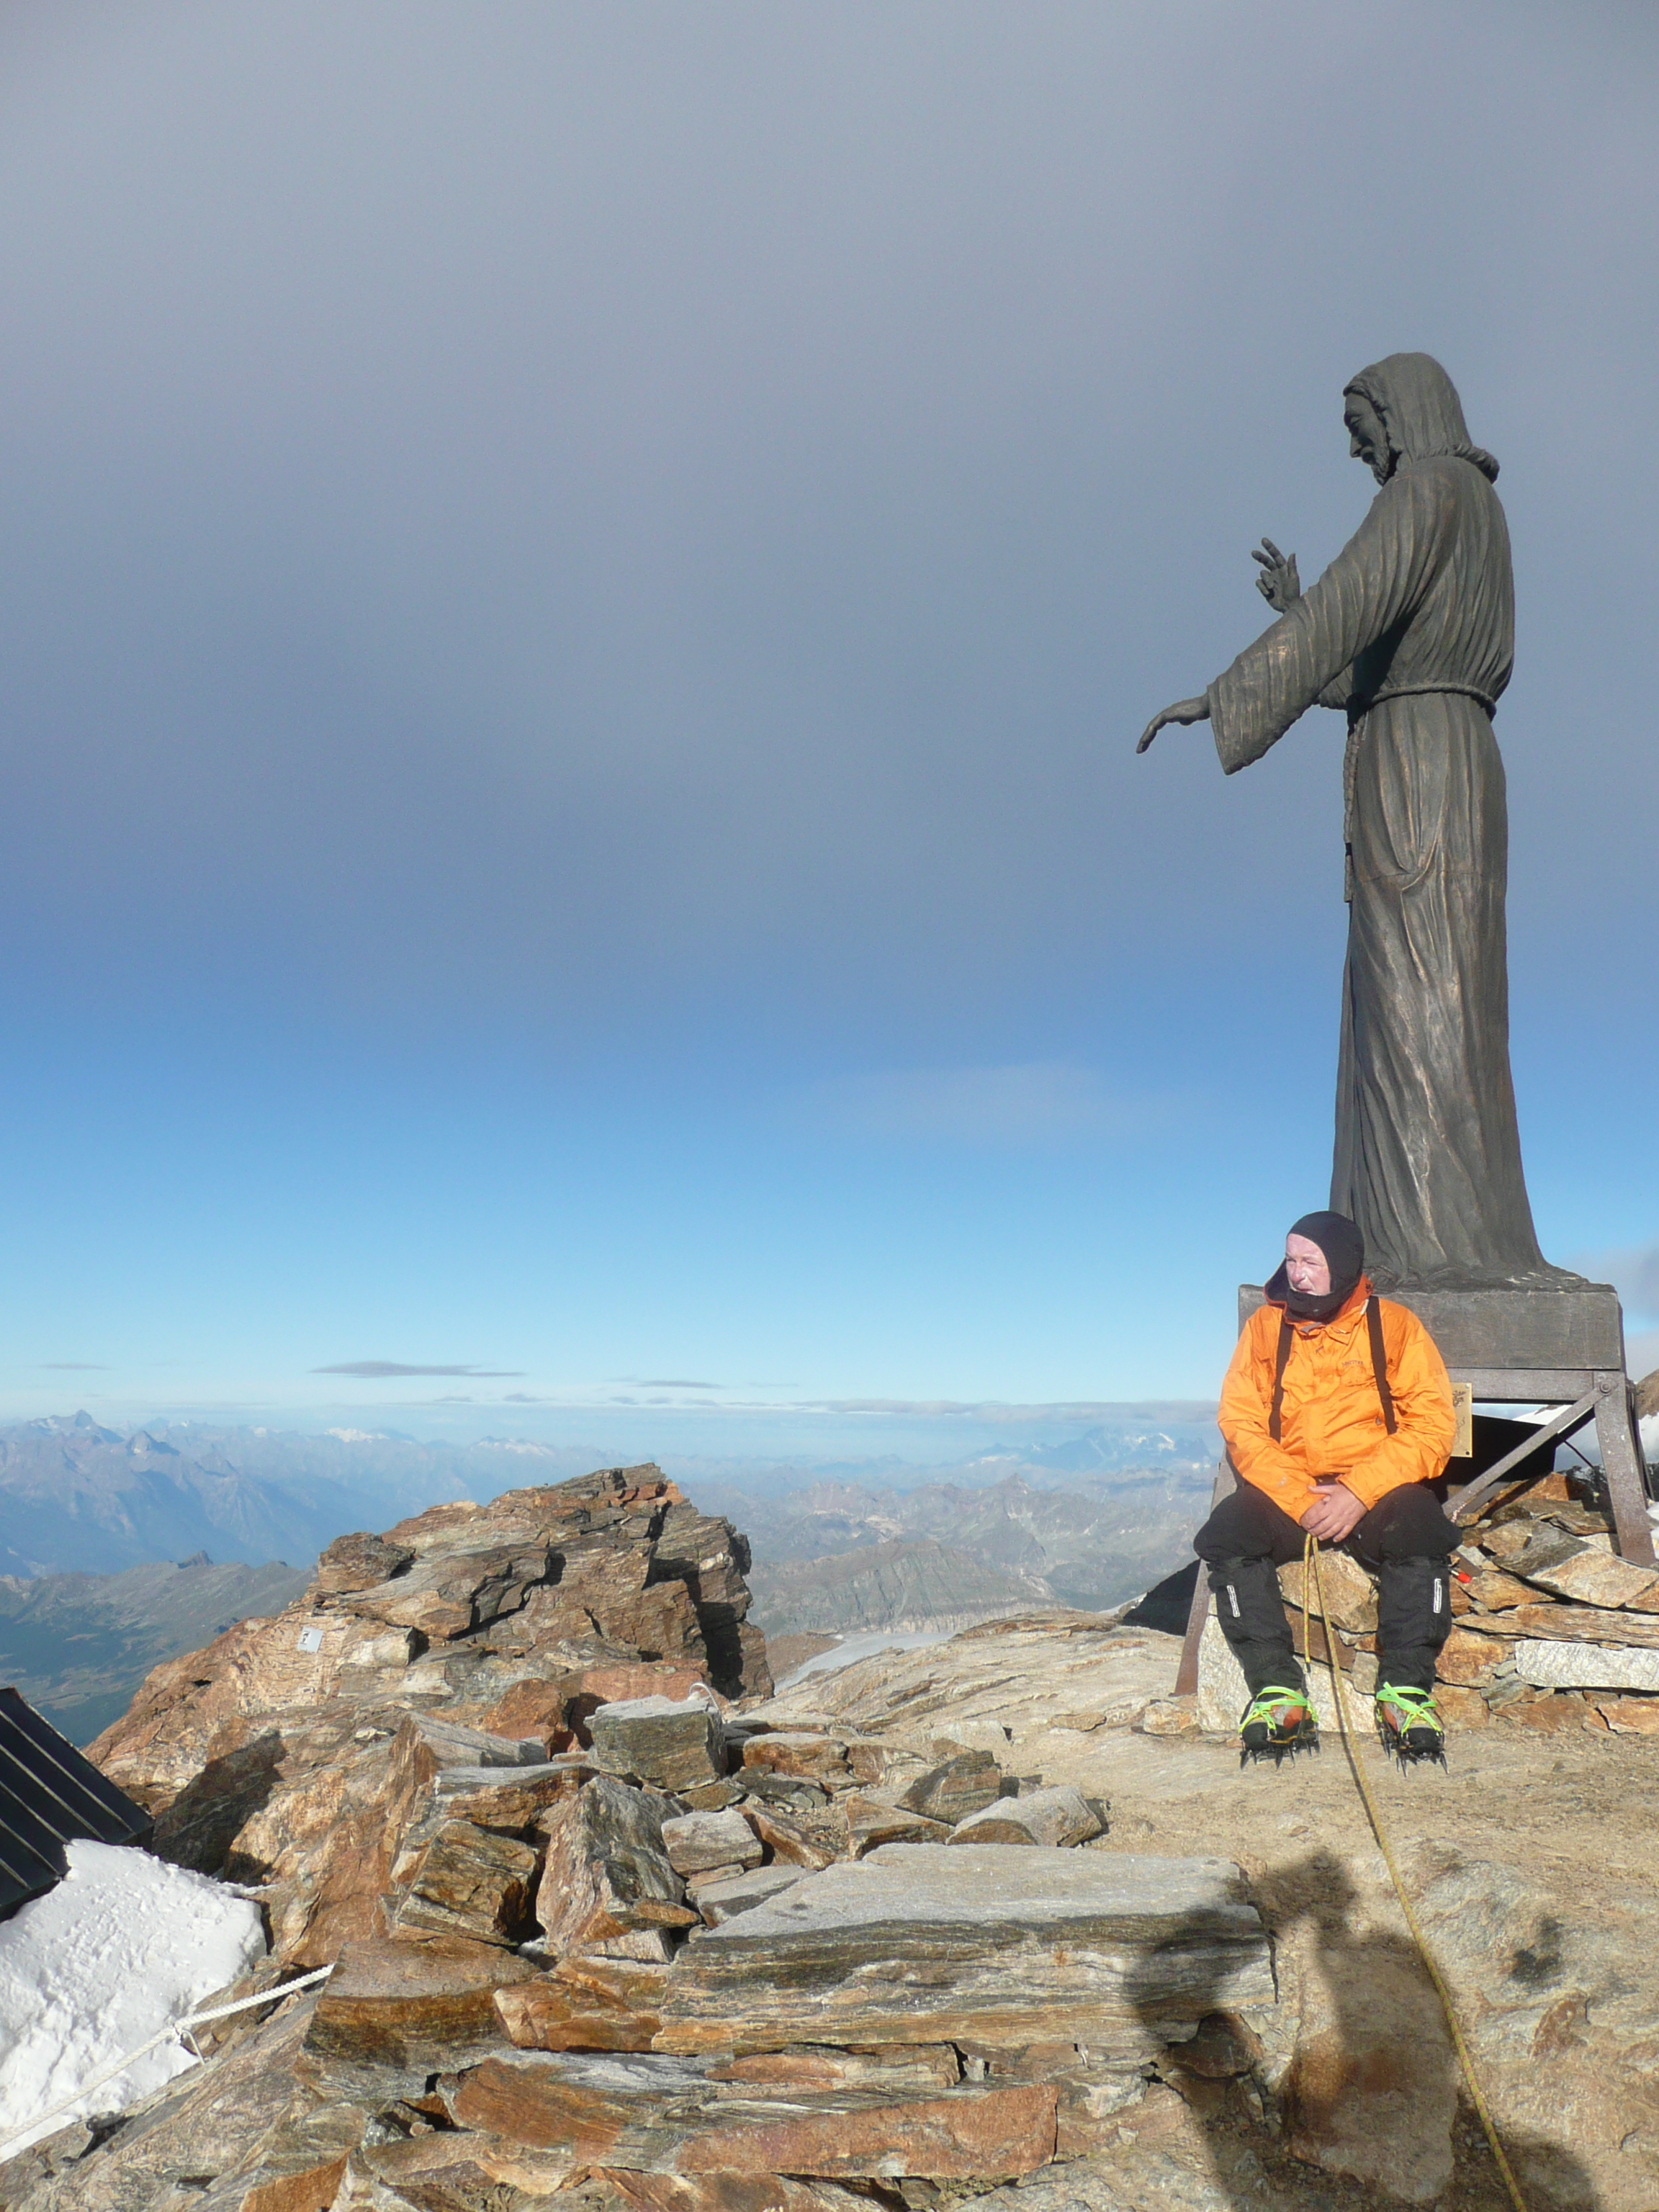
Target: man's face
1306, 1268
1368, 441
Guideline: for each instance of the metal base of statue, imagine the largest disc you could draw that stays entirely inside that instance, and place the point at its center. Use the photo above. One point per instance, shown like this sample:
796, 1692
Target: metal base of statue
1561, 1347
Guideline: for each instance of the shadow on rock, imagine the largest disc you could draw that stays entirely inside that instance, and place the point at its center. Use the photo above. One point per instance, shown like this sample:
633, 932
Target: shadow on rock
1360, 2078
197, 1828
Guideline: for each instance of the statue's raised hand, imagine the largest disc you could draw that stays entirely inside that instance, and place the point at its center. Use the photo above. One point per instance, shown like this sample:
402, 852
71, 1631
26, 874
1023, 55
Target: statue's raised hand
1279, 583
1184, 710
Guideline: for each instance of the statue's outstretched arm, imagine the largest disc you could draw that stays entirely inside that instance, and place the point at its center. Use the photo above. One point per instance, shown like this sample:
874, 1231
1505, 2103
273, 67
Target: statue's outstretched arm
1184, 710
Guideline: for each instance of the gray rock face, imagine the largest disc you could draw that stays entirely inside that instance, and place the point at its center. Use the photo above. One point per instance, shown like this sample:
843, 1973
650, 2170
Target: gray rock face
928, 1943
721, 1901
674, 1744
1055, 1817
1552, 1665
698, 1841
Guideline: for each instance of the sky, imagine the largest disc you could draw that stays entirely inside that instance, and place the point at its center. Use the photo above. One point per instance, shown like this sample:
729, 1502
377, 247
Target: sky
579, 584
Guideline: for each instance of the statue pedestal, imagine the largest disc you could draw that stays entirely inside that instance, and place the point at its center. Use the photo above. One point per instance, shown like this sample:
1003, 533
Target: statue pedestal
1517, 1347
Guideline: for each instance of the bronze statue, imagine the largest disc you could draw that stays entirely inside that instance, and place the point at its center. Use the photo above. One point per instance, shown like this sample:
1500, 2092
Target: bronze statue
1411, 630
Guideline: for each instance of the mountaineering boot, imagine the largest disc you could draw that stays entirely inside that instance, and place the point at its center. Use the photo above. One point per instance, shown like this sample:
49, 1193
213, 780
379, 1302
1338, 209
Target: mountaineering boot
1408, 1724
1250, 1613
1275, 1720
1413, 1620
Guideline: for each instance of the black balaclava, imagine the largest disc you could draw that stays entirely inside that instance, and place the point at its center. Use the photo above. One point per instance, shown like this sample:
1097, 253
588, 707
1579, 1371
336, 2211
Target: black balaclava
1344, 1248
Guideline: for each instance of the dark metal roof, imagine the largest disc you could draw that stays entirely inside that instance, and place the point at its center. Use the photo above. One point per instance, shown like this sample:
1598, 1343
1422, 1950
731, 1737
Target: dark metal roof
51, 1795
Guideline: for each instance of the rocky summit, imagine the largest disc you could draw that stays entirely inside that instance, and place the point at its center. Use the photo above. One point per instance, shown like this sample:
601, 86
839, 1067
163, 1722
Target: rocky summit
615, 1926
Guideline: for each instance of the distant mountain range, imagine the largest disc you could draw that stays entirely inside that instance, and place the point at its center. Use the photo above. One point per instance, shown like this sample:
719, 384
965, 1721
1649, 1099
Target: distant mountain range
77, 1496
92, 1520
77, 1646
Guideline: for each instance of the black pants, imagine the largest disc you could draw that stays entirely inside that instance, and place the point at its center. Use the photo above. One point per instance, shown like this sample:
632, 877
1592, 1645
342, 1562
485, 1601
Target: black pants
1405, 1538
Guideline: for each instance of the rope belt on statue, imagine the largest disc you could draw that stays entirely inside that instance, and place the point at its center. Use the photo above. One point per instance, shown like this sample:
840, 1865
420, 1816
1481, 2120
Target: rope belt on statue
1465, 2057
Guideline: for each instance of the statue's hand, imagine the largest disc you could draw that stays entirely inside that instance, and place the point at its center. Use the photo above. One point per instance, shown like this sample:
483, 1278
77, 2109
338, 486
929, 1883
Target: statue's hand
1184, 710
1279, 583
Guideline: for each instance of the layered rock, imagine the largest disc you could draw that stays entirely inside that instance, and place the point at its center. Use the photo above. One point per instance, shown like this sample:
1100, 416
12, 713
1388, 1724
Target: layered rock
602, 1933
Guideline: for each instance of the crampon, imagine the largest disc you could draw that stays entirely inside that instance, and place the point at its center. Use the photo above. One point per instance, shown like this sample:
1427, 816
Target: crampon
1277, 1723
1408, 1727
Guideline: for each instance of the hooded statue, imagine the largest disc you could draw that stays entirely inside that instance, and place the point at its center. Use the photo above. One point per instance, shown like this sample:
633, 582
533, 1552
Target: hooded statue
1411, 631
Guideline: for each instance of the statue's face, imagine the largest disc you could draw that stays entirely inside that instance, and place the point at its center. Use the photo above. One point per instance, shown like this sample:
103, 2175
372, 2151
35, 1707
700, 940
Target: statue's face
1368, 441
1306, 1268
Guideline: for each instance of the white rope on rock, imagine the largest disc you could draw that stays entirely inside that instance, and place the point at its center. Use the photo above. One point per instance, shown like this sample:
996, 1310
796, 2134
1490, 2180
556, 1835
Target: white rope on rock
179, 2031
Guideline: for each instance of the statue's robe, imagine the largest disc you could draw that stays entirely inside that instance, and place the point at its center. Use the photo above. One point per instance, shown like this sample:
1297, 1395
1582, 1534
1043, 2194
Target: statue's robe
1412, 629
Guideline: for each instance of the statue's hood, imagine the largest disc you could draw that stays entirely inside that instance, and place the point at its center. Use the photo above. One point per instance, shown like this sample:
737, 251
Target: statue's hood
1420, 409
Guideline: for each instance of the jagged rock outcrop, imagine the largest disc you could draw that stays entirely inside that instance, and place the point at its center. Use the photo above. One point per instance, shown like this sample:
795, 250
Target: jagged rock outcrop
316, 1755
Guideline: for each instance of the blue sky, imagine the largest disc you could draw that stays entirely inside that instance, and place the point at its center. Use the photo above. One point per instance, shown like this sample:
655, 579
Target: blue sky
579, 586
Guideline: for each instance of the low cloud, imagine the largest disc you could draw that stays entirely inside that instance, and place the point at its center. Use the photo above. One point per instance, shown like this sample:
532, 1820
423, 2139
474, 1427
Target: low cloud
1032, 1102
73, 1367
380, 1371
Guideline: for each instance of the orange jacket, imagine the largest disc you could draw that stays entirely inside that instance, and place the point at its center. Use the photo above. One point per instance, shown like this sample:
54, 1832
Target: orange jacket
1332, 1418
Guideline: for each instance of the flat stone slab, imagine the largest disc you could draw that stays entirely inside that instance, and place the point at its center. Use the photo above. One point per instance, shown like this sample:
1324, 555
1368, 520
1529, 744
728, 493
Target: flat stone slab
932, 1942
1552, 1665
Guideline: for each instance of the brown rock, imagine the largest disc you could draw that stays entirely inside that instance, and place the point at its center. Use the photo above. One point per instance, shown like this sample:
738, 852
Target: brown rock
963, 1785
470, 1882
1577, 1624
1169, 1717
1629, 1716
606, 1870
699, 1842
973, 2135
728, 2192
1467, 1656
533, 1708
448, 1594
358, 1562
452, 2172
1350, 1593
653, 2111
799, 1842
1548, 1715
895, 2067
871, 1823
585, 2004
809, 1758
1588, 1574
1462, 1708
1054, 1818
510, 1799
299, 2165
409, 2008
1493, 1592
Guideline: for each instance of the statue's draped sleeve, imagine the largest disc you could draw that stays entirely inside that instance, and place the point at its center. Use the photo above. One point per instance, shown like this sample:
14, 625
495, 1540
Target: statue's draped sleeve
1306, 658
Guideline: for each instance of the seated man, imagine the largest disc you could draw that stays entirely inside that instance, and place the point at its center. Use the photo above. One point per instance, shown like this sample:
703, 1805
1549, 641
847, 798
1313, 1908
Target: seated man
1337, 1412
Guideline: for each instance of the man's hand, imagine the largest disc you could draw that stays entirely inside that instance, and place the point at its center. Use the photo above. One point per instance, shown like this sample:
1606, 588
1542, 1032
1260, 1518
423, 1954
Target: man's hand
1183, 711
1334, 1514
1279, 583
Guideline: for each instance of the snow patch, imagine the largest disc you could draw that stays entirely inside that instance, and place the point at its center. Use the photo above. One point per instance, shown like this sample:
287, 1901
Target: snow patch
120, 1948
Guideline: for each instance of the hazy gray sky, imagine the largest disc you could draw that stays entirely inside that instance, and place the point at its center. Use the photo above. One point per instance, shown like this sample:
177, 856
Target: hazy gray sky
579, 586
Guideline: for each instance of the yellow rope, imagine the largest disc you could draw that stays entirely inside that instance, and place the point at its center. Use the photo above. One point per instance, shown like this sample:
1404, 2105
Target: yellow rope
1465, 2057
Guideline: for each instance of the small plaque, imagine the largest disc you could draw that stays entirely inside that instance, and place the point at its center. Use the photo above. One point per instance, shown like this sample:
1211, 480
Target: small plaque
311, 1639
1463, 1414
